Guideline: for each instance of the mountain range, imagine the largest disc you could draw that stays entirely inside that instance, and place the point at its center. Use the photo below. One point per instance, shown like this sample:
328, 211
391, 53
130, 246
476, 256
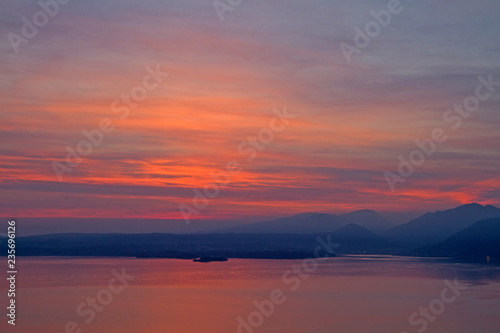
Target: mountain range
481, 240
469, 231
310, 223
432, 228
429, 228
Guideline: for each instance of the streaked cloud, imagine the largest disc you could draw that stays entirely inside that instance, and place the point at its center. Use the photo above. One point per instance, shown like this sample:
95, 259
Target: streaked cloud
225, 80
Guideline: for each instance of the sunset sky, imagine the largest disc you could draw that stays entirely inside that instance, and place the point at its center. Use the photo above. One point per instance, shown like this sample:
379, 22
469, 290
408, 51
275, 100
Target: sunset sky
225, 79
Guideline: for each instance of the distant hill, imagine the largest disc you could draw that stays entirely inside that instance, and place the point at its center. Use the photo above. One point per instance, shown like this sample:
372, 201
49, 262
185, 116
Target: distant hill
368, 219
311, 223
354, 231
432, 228
480, 240
355, 239
302, 223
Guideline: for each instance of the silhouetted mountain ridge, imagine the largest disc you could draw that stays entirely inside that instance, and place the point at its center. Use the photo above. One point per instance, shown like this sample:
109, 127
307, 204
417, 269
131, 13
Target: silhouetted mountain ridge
480, 240
461, 232
355, 239
316, 223
435, 227
353, 230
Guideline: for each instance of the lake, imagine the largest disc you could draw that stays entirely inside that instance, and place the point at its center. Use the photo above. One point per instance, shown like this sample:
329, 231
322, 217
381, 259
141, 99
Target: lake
354, 294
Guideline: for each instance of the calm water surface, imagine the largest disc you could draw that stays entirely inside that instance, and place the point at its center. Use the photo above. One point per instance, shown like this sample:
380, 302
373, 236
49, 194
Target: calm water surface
346, 294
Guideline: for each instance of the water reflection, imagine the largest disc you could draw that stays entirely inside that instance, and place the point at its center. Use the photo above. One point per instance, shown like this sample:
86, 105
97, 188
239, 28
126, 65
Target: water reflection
345, 294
